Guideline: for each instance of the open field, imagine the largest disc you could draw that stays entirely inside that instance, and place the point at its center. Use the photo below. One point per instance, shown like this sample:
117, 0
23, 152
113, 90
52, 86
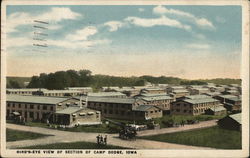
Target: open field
178, 118
103, 128
111, 128
16, 135
74, 145
214, 137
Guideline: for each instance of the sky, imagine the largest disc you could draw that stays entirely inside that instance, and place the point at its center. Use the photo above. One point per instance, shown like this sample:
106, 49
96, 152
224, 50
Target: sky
192, 42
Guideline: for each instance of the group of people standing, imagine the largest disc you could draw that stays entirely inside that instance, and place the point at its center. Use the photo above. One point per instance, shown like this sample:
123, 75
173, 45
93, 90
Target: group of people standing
101, 140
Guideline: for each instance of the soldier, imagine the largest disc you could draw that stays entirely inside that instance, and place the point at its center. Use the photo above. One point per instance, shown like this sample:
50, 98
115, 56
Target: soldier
98, 139
101, 140
105, 140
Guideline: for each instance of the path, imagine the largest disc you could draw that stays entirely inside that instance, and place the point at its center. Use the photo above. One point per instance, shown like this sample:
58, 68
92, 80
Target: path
203, 124
66, 136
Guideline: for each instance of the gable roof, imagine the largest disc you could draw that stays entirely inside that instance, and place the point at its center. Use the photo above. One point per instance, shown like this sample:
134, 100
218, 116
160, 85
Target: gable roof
202, 100
144, 107
218, 108
104, 94
69, 110
197, 96
156, 98
108, 100
236, 117
35, 99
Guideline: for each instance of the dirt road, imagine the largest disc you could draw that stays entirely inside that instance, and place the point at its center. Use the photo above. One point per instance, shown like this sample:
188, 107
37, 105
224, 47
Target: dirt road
66, 136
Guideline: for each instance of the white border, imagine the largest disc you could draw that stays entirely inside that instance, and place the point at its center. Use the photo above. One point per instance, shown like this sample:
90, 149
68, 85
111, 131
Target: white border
144, 153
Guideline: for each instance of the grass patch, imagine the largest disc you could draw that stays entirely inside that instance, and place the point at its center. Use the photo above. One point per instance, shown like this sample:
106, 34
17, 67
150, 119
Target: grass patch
15, 135
178, 118
74, 145
102, 128
214, 137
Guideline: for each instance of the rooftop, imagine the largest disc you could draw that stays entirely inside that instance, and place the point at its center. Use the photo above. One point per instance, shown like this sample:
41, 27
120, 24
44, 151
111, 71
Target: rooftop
180, 91
143, 107
153, 94
218, 108
176, 87
197, 96
60, 91
83, 88
156, 98
69, 110
34, 99
104, 94
108, 100
24, 89
202, 100
236, 117
212, 93
231, 97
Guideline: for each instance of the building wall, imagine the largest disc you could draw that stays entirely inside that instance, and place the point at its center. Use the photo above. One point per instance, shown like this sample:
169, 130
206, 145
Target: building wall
77, 118
112, 110
163, 104
30, 111
122, 111
153, 113
184, 108
20, 92
181, 94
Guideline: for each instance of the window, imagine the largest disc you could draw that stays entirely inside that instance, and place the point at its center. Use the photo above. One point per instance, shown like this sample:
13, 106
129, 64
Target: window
110, 111
111, 105
31, 106
51, 108
122, 112
13, 105
105, 111
178, 110
116, 111
155, 110
38, 107
19, 105
25, 106
31, 115
8, 104
184, 111
44, 107
151, 111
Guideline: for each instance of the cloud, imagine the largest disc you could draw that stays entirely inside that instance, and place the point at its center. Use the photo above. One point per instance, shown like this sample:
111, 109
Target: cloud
77, 40
54, 15
114, 25
162, 21
220, 19
57, 14
197, 46
201, 22
82, 34
141, 10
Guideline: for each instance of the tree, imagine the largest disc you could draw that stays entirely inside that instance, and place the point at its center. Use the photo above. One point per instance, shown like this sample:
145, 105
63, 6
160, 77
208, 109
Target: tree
13, 84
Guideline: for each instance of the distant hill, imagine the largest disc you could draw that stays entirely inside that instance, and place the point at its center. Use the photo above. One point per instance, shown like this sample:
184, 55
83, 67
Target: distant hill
14, 82
225, 81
